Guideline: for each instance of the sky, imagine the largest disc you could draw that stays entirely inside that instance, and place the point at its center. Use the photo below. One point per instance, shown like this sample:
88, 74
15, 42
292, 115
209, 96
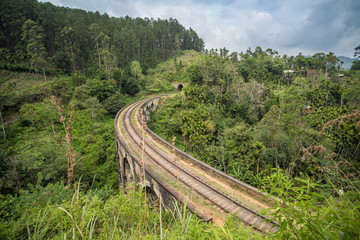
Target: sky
288, 26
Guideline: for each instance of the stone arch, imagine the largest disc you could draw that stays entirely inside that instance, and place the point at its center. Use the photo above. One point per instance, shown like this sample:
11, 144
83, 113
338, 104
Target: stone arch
128, 172
146, 113
151, 195
152, 106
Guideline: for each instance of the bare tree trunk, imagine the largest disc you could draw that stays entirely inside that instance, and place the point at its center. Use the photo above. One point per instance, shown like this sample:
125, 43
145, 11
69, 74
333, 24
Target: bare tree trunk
142, 50
2, 124
223, 162
72, 58
341, 101
98, 51
84, 66
44, 73
52, 126
28, 230
163, 48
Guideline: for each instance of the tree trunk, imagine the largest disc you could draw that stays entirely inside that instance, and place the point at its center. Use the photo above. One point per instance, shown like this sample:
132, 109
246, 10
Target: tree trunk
2, 124
341, 101
72, 58
98, 51
44, 73
142, 51
163, 48
52, 126
223, 161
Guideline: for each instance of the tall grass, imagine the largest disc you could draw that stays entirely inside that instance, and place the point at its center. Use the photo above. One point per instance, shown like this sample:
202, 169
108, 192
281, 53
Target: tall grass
71, 162
110, 214
308, 214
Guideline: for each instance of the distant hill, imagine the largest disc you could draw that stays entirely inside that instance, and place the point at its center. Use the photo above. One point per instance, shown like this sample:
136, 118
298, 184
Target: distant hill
347, 62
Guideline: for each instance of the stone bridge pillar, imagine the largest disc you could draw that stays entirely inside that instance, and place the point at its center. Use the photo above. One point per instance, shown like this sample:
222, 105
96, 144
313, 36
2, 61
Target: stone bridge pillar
126, 167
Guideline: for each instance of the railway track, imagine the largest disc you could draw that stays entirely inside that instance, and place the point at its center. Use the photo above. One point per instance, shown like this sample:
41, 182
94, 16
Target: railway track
155, 156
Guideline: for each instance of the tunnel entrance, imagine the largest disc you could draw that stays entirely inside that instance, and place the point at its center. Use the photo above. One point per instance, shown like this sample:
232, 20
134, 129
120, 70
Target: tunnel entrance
180, 87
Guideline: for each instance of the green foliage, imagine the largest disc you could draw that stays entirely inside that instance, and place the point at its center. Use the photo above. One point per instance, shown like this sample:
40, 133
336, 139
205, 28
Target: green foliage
16, 67
96, 109
262, 119
33, 149
197, 129
197, 94
67, 33
105, 214
114, 103
195, 75
101, 88
76, 39
298, 141
239, 113
35, 161
323, 115
351, 95
302, 216
42, 114
240, 149
356, 63
34, 36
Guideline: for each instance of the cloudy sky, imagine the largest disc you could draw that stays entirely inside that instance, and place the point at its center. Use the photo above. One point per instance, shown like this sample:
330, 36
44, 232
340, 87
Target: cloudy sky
288, 26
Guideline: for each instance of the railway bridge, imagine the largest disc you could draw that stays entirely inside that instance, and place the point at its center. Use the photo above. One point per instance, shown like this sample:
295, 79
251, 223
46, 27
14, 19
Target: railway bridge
171, 175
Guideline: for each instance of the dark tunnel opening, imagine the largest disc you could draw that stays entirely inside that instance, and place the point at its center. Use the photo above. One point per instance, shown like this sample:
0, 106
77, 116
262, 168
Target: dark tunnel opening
180, 87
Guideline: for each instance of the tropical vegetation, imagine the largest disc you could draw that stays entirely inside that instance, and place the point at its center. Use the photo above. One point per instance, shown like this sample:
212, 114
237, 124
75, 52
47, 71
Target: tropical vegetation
286, 124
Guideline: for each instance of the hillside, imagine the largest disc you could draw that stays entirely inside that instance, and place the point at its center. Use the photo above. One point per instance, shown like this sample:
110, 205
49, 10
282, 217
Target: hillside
347, 62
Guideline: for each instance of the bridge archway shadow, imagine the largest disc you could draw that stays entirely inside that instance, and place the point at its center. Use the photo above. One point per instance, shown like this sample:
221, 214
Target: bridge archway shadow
127, 171
152, 197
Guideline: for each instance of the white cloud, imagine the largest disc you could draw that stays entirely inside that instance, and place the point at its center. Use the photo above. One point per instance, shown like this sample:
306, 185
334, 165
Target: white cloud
259, 17
55, 2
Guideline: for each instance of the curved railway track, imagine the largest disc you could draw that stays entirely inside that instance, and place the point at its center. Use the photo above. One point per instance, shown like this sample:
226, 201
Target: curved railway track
189, 180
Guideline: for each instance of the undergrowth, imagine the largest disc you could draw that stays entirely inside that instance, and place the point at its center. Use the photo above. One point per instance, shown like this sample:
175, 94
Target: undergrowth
71, 210
106, 214
305, 213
